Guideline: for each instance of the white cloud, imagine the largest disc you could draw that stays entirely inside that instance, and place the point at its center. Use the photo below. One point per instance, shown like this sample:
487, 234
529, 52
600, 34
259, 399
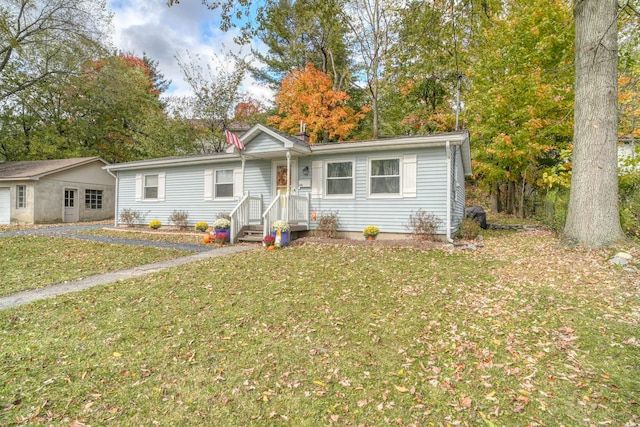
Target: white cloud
166, 32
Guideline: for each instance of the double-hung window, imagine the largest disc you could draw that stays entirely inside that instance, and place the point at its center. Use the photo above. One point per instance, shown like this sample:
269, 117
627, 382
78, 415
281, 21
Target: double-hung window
151, 186
339, 178
93, 199
384, 177
21, 196
223, 183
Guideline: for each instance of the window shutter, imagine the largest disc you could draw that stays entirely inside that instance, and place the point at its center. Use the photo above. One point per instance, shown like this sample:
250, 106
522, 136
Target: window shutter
208, 184
409, 175
138, 187
161, 185
316, 179
238, 183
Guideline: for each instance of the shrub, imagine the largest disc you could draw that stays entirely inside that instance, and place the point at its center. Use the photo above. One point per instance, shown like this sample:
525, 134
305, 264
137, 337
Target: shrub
155, 224
202, 226
179, 218
328, 224
131, 217
469, 229
423, 225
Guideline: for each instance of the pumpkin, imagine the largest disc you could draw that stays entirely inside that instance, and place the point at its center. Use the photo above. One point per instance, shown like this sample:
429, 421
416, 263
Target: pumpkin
206, 238
271, 248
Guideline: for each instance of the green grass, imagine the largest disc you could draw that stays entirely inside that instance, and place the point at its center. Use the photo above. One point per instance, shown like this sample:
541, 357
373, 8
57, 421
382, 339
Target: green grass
521, 332
30, 262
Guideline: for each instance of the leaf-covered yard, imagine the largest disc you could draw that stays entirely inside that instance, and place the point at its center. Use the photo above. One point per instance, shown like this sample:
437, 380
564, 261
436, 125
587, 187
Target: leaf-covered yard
522, 331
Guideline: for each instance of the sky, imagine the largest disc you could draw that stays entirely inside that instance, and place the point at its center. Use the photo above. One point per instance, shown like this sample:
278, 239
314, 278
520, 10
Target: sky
164, 32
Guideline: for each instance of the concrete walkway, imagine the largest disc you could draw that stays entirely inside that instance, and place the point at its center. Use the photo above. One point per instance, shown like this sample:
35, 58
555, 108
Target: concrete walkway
25, 297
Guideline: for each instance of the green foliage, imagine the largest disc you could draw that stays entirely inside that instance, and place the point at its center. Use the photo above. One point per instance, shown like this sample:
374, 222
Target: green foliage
521, 98
328, 223
179, 218
131, 216
423, 225
202, 226
155, 224
469, 229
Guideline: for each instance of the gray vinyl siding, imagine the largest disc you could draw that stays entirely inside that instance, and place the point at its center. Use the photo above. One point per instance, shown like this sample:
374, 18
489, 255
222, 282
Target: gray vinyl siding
389, 214
264, 143
184, 191
257, 179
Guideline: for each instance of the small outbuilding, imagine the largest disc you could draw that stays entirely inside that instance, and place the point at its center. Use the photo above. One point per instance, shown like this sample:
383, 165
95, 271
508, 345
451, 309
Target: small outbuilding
54, 191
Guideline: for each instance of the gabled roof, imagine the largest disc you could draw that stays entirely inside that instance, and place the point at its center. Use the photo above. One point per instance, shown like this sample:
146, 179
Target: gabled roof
36, 169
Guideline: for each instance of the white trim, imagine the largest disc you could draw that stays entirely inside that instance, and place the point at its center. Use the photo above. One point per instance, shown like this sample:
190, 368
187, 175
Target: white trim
238, 182
215, 183
317, 170
409, 176
140, 182
325, 179
397, 195
208, 184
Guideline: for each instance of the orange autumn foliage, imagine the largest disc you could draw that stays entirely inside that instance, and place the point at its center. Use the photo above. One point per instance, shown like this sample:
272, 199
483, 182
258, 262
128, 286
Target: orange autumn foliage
308, 96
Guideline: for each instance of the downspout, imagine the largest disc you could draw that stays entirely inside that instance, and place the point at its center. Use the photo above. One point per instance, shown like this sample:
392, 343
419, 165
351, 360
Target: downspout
288, 186
448, 225
115, 219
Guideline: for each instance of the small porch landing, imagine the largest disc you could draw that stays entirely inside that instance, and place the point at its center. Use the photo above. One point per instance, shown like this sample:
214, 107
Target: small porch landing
255, 233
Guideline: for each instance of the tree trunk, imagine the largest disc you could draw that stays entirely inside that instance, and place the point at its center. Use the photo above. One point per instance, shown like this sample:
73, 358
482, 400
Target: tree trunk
593, 219
495, 198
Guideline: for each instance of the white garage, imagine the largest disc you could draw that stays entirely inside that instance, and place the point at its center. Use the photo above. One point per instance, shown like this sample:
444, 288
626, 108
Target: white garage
5, 205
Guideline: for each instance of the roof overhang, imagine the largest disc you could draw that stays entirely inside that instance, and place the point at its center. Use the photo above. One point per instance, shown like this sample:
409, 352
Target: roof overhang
171, 161
37, 177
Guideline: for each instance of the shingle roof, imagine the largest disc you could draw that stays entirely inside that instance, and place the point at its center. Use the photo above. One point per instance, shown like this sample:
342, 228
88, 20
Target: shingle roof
37, 168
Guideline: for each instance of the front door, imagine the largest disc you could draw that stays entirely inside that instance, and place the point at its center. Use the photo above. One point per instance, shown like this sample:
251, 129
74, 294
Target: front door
280, 176
71, 208
284, 181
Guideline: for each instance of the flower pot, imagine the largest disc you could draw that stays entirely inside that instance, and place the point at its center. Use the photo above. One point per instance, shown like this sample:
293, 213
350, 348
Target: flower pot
371, 237
222, 234
284, 239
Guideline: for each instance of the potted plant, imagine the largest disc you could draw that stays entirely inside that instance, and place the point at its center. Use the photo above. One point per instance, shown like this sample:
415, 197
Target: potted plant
370, 232
221, 227
202, 226
269, 242
280, 230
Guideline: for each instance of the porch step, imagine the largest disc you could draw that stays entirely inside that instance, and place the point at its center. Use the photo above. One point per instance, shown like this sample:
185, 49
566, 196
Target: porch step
251, 234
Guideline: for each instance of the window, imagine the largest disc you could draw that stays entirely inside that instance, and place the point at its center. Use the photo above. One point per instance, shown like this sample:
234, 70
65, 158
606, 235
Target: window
385, 177
69, 198
151, 186
21, 196
93, 199
340, 178
223, 184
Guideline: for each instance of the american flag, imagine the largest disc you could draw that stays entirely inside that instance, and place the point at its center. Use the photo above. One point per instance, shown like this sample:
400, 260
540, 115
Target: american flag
232, 139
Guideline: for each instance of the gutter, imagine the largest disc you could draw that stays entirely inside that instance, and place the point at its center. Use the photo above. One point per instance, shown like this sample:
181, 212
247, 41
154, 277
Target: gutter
115, 215
448, 224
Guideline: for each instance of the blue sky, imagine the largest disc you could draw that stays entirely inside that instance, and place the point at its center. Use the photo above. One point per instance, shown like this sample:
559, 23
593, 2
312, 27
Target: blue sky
164, 33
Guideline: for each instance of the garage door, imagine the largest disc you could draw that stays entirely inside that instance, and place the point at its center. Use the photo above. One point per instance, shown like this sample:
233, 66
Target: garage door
5, 206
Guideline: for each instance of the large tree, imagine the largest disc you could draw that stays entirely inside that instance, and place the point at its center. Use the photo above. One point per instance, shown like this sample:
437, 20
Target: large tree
593, 218
43, 39
307, 96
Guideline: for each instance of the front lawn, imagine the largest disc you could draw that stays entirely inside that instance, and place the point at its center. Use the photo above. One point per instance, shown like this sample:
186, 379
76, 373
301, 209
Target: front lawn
30, 262
520, 332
